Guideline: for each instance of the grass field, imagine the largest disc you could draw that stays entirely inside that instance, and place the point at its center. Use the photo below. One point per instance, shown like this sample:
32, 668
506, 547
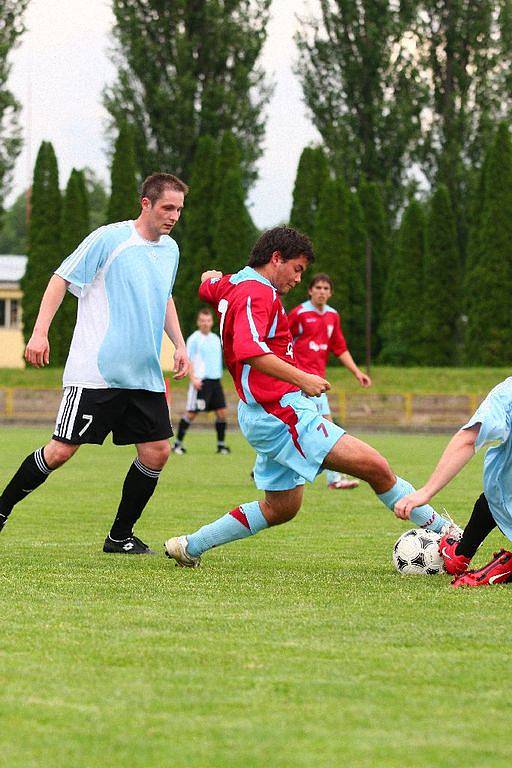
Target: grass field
300, 647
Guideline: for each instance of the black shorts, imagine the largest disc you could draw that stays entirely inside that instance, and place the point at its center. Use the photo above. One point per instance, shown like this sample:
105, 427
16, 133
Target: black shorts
209, 398
132, 415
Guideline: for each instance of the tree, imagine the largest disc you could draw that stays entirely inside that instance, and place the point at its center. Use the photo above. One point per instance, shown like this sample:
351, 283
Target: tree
355, 328
363, 88
74, 228
332, 242
404, 295
13, 235
377, 229
11, 27
124, 197
312, 174
198, 225
97, 199
441, 299
188, 69
44, 251
489, 327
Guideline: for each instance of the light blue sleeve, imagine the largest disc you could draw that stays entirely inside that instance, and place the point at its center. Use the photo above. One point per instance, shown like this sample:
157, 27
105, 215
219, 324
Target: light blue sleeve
175, 269
493, 415
81, 266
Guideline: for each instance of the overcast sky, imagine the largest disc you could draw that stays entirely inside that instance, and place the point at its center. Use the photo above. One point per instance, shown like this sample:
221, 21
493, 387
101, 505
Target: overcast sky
62, 64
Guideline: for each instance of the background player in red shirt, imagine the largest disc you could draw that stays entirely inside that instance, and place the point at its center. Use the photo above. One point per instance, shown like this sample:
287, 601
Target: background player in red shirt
316, 331
292, 440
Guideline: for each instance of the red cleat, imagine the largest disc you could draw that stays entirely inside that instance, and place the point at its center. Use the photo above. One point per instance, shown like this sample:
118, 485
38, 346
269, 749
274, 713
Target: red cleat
498, 571
453, 564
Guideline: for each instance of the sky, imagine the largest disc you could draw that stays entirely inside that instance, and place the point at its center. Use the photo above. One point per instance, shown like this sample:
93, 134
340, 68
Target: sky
62, 64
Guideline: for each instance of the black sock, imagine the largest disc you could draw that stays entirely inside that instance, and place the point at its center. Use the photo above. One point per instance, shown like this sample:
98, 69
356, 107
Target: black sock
182, 428
479, 526
31, 474
220, 427
138, 487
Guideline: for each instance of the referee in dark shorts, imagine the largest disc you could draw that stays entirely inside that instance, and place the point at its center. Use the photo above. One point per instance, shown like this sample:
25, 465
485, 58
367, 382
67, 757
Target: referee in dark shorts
205, 392
123, 275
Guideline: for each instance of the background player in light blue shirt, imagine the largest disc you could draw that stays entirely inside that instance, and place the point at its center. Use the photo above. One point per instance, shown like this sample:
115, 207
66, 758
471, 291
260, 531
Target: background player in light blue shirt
122, 275
205, 392
491, 423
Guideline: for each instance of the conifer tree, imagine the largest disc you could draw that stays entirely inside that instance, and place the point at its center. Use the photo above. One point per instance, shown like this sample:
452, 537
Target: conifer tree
331, 243
75, 227
124, 197
489, 326
312, 174
377, 229
355, 328
440, 305
45, 251
404, 293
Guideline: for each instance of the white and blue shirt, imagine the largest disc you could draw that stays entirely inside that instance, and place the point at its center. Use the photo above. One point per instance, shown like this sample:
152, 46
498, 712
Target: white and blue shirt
205, 353
123, 284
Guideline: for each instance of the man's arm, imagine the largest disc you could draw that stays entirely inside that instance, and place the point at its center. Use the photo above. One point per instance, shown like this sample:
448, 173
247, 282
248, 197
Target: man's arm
37, 351
348, 361
173, 330
456, 455
272, 365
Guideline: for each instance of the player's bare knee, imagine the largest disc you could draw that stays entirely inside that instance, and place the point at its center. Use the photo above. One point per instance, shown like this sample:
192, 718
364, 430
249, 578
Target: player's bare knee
154, 456
56, 453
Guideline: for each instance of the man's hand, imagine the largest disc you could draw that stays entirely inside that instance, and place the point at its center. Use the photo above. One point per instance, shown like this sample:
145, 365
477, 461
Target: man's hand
196, 383
363, 379
404, 507
181, 363
313, 385
210, 273
37, 351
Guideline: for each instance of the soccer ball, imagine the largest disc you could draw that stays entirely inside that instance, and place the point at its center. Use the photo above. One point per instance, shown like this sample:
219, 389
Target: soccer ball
416, 552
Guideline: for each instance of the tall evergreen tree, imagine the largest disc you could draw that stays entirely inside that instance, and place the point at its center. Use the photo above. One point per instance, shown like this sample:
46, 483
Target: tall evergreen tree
188, 69
312, 173
44, 251
331, 244
377, 230
355, 328
124, 197
11, 27
75, 227
13, 234
404, 295
198, 223
362, 86
97, 199
440, 306
489, 326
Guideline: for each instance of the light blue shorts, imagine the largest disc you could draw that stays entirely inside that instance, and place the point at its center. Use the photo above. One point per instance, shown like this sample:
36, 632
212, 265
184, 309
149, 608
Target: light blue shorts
291, 443
322, 404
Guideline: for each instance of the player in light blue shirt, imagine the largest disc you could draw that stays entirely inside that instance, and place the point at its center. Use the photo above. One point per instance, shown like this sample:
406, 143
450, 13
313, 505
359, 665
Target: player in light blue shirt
205, 392
491, 423
123, 276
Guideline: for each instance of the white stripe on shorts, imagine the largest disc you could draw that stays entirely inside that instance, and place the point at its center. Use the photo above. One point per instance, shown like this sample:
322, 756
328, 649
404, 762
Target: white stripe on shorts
191, 404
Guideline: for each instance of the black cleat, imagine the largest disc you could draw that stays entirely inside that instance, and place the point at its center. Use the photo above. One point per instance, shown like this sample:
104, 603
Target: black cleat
130, 546
223, 449
3, 520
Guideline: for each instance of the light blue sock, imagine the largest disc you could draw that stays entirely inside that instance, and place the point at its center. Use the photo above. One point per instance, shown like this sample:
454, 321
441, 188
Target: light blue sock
331, 476
425, 516
245, 520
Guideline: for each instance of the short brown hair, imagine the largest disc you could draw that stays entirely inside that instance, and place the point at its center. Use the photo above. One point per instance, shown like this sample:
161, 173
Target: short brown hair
204, 311
289, 242
320, 277
153, 187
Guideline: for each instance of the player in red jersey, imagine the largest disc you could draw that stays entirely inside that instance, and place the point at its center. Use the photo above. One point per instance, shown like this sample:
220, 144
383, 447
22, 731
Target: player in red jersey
292, 440
316, 331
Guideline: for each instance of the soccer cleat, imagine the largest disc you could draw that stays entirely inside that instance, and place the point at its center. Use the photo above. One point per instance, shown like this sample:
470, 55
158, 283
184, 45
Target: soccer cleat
176, 549
3, 520
179, 449
451, 529
498, 571
453, 564
130, 546
223, 449
344, 484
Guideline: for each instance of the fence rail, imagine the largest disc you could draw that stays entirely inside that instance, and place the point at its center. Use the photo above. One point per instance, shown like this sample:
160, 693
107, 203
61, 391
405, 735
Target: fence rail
403, 410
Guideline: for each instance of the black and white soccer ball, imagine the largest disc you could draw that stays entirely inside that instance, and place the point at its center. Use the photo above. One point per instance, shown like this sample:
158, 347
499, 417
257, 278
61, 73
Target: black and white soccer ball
417, 552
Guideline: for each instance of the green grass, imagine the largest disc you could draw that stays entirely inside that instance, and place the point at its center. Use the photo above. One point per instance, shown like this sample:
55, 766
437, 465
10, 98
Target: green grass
385, 379
300, 647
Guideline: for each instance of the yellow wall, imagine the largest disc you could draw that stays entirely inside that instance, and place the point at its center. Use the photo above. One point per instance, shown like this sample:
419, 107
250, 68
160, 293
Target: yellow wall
11, 339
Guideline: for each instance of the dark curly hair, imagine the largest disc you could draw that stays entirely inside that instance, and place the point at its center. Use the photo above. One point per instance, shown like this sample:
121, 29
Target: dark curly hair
289, 242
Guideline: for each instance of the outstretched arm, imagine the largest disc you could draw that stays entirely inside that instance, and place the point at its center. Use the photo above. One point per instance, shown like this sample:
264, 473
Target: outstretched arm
456, 455
37, 351
348, 361
272, 365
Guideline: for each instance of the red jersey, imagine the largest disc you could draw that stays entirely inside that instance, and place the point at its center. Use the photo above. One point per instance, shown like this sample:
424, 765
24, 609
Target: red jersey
315, 334
252, 323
